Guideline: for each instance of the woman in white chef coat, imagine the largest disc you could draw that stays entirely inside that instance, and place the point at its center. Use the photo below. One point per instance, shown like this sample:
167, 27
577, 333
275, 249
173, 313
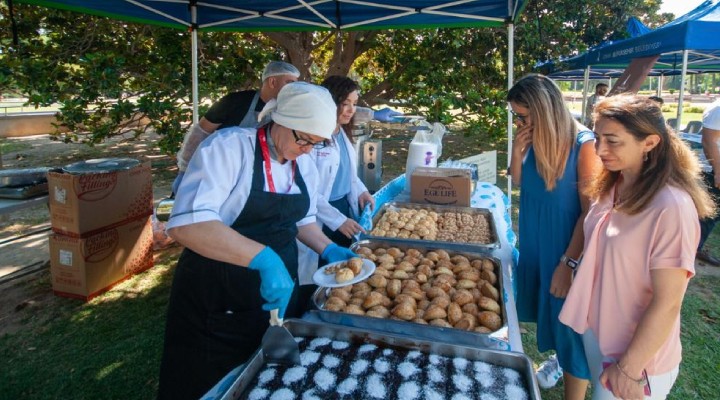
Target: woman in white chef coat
245, 198
342, 195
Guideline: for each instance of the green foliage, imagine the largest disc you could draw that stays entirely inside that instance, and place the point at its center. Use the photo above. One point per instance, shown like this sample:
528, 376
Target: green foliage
127, 73
132, 77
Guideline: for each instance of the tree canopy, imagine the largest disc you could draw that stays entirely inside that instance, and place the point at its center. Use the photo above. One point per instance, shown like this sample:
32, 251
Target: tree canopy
125, 72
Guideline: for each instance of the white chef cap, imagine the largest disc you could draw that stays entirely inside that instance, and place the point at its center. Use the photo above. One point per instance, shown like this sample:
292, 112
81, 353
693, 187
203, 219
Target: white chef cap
304, 107
275, 68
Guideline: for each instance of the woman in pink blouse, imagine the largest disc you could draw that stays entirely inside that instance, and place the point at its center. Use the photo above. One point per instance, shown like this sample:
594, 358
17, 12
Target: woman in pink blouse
641, 234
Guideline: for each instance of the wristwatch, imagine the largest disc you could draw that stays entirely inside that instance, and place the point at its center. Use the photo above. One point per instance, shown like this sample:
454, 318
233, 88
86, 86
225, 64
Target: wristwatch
571, 263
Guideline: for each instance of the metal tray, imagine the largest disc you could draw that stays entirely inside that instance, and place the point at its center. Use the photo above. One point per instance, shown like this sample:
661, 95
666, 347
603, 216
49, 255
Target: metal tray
24, 192
357, 336
498, 340
494, 244
23, 176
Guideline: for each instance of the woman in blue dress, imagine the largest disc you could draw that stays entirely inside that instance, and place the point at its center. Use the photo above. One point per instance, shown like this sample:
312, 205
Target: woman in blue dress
553, 158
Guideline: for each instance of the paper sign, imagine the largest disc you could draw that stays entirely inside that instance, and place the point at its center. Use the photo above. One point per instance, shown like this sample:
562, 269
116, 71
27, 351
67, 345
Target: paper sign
486, 164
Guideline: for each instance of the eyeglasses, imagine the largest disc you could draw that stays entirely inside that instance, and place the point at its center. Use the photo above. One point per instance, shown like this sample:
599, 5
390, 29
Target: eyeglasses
521, 118
304, 142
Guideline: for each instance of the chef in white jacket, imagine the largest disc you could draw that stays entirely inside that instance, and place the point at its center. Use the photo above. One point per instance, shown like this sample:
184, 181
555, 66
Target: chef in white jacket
247, 195
341, 194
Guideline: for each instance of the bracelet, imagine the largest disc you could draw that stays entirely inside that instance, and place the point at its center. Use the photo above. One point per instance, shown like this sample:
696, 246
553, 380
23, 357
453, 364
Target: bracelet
641, 381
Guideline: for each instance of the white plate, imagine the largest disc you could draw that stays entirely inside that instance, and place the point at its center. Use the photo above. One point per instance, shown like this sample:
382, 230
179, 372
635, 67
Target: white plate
328, 280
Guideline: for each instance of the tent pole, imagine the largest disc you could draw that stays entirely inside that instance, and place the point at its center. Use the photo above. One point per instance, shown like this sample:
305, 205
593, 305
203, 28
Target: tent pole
678, 123
194, 50
586, 82
660, 85
511, 79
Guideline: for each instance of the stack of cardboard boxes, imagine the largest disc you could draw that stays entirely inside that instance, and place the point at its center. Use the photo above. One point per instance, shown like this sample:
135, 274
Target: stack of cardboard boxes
102, 231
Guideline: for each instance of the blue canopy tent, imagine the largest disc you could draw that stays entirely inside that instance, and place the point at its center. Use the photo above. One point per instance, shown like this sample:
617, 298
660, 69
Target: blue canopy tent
299, 15
689, 42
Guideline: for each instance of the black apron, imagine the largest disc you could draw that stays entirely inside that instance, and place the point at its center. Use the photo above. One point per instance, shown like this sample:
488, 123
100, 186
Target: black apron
215, 321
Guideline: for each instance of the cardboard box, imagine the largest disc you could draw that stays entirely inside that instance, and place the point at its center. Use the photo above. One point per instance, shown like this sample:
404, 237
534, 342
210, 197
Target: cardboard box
83, 205
441, 186
86, 267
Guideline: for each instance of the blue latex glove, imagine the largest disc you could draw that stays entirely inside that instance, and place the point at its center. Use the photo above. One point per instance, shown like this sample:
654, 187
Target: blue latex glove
334, 253
385, 115
276, 286
176, 182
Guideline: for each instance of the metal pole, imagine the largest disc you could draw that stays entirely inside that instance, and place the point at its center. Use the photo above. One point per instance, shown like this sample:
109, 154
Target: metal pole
678, 123
586, 82
511, 79
194, 45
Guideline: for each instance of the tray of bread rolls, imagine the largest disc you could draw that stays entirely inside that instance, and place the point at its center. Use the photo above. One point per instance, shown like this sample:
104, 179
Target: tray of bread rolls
339, 362
425, 292
451, 226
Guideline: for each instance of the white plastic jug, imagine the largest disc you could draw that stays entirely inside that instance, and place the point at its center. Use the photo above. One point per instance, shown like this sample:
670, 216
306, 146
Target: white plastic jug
425, 148
419, 155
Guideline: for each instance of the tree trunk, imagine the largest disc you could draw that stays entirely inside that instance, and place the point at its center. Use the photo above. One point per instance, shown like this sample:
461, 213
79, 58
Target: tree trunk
299, 47
347, 48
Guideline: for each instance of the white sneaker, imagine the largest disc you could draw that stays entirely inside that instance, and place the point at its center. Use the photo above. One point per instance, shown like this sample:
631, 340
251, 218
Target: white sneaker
549, 373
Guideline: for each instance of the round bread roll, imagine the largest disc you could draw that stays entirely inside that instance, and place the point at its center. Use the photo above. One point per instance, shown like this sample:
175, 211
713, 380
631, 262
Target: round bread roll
372, 299
482, 329
404, 311
393, 287
472, 275
442, 301
489, 276
434, 312
361, 287
377, 281
335, 304
462, 297
354, 309
490, 291
490, 320
355, 264
471, 308
454, 313
340, 293
378, 312
405, 298
489, 304
440, 322
466, 284
357, 300
488, 265
344, 275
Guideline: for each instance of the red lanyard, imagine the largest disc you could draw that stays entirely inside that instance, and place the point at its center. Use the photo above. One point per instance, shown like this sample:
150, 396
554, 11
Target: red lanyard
262, 134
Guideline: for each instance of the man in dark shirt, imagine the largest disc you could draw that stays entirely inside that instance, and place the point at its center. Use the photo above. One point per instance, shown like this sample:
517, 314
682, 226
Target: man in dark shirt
236, 109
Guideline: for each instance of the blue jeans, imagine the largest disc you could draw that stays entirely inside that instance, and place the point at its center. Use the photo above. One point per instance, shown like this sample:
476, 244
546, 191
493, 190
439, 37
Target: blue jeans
707, 224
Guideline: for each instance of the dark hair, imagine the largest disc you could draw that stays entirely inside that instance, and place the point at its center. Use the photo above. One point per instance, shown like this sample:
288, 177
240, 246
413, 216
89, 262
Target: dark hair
657, 99
670, 162
599, 85
340, 88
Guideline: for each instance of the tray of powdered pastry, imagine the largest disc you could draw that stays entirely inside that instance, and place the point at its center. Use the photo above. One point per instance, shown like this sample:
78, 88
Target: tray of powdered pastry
351, 363
451, 226
425, 292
